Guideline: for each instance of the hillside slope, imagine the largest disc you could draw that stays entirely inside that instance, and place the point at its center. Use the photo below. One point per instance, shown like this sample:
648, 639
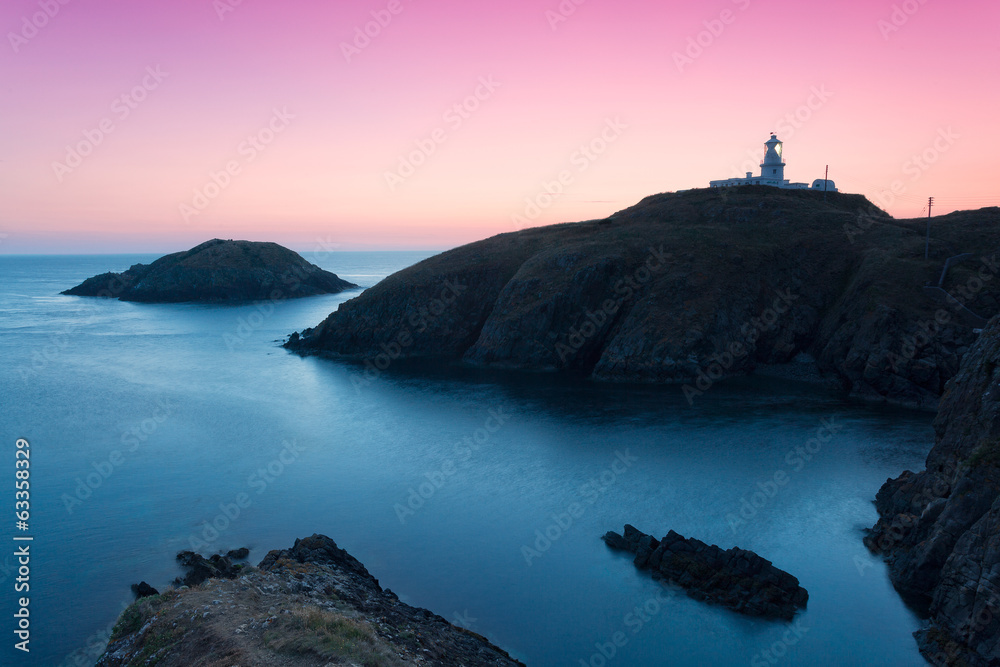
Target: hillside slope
690, 288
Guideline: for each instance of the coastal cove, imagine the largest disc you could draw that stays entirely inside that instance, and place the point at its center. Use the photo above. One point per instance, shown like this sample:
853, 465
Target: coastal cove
149, 424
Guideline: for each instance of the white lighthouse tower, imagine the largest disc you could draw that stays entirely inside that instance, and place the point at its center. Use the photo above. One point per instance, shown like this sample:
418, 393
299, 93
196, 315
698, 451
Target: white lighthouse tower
772, 172
772, 169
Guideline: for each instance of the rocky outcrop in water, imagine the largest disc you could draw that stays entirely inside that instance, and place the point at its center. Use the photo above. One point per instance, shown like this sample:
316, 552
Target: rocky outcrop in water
143, 590
691, 288
199, 569
217, 270
313, 604
735, 578
940, 528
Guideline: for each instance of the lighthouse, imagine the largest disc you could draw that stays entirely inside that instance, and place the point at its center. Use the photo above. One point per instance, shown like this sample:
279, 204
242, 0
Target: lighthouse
772, 169
772, 172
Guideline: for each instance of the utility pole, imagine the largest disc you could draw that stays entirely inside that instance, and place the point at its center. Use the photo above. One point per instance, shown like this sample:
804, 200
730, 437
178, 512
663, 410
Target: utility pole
927, 243
826, 182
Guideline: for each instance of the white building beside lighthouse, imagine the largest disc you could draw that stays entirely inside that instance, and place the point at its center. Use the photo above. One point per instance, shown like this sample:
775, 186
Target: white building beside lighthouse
772, 172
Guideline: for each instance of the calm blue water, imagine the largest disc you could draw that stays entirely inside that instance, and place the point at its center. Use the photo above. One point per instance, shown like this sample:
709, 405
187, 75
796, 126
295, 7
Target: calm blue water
198, 401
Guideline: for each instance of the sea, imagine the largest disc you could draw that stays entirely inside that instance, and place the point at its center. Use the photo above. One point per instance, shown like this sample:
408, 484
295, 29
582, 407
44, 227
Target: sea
479, 495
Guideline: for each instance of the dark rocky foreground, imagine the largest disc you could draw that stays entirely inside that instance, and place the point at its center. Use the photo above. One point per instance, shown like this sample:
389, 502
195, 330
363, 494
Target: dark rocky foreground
693, 287
940, 528
313, 604
217, 270
738, 579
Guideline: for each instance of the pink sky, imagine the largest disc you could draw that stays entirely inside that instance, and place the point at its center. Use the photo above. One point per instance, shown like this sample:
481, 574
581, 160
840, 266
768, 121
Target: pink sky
337, 125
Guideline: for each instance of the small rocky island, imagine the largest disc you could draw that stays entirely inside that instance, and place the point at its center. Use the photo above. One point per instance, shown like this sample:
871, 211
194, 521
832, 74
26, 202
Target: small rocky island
313, 604
735, 578
217, 270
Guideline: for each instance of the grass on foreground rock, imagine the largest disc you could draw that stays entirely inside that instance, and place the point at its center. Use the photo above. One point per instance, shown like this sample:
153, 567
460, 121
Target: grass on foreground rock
328, 635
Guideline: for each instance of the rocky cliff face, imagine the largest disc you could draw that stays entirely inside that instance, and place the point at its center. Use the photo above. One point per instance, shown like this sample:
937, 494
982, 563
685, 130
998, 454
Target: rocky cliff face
217, 270
686, 288
313, 604
940, 528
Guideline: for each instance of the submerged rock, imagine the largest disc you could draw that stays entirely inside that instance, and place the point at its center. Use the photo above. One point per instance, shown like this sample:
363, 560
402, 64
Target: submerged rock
217, 270
737, 579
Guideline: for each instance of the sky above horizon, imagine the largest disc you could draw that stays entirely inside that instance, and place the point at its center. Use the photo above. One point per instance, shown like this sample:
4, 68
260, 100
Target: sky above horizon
147, 126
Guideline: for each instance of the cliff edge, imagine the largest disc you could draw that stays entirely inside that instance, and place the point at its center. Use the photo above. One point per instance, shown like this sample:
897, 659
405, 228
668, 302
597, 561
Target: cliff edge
940, 528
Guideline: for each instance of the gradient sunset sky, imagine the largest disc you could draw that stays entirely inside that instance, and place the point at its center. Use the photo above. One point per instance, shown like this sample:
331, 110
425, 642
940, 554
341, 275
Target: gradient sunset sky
671, 95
